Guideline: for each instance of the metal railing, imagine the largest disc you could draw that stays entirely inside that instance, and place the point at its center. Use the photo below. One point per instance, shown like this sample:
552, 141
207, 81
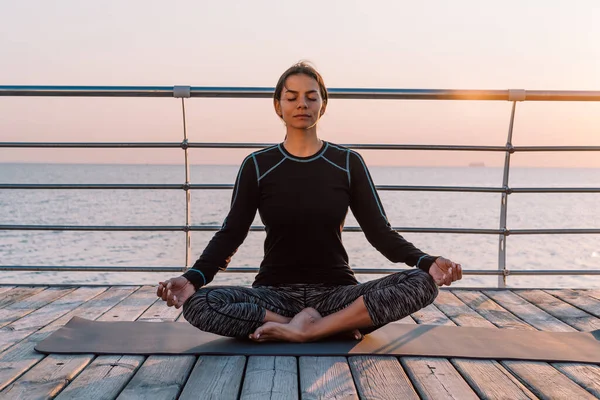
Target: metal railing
183, 92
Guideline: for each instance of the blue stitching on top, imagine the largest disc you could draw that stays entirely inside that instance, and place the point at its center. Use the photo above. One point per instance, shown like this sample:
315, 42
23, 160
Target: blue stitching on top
272, 168
256, 166
372, 187
348, 165
238, 181
321, 152
420, 258
202, 274
332, 163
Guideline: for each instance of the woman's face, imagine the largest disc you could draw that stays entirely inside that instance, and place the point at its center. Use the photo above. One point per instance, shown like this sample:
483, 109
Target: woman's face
300, 104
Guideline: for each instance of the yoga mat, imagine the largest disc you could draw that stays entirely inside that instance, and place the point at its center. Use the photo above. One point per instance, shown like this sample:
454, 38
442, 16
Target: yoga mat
80, 335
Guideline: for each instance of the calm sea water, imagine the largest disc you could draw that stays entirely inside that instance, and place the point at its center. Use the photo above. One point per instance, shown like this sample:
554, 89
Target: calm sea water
408, 209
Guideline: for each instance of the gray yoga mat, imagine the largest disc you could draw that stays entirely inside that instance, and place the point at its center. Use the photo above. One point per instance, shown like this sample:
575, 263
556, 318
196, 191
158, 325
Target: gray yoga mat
80, 335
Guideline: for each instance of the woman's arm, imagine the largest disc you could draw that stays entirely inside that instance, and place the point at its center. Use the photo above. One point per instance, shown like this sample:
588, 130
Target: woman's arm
368, 210
234, 230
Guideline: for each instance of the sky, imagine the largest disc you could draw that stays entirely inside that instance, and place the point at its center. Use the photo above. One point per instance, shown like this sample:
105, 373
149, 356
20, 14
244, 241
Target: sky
459, 44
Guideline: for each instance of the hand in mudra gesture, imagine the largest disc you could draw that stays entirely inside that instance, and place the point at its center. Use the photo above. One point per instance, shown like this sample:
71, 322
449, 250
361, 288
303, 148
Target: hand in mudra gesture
175, 291
444, 271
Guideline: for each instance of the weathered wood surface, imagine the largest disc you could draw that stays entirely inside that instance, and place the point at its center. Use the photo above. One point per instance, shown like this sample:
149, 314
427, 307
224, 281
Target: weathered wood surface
541, 378
19, 309
106, 376
585, 375
526, 311
16, 294
28, 315
274, 378
159, 376
381, 377
215, 377
435, 378
487, 378
22, 356
565, 312
578, 298
21, 328
326, 378
54, 372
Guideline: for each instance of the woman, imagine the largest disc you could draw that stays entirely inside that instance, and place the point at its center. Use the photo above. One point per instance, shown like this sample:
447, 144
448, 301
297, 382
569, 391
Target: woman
305, 290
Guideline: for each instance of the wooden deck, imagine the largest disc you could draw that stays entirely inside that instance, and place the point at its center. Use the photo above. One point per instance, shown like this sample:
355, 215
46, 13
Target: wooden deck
29, 314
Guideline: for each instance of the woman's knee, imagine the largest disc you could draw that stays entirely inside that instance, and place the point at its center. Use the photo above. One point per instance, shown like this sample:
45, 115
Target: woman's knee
428, 288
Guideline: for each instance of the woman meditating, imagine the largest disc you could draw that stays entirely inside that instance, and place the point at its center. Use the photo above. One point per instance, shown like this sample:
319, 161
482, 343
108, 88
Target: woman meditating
305, 289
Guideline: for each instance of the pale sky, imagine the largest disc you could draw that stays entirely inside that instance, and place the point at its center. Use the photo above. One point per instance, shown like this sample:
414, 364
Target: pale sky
459, 44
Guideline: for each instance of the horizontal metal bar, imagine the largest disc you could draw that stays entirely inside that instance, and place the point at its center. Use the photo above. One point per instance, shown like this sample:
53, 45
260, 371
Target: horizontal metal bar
92, 145
105, 268
553, 231
240, 145
229, 186
114, 268
100, 228
267, 92
556, 190
213, 228
555, 148
61, 186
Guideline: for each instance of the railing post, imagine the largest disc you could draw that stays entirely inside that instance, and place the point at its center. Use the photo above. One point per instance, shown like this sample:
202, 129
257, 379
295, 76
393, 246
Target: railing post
514, 96
183, 92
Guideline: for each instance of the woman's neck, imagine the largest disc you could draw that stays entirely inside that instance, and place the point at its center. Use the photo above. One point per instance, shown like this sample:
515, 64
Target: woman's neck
302, 144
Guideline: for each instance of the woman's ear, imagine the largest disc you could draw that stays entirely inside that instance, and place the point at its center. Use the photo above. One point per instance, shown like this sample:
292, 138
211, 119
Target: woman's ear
323, 107
277, 105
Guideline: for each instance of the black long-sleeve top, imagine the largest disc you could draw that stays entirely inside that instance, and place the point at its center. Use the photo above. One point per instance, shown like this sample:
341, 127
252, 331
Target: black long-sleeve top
303, 203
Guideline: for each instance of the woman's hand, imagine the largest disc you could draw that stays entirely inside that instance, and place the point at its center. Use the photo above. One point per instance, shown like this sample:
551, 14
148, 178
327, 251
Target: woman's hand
175, 291
444, 271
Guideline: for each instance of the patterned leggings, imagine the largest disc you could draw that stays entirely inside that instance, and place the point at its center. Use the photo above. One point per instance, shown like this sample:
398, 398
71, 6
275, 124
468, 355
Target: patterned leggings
237, 311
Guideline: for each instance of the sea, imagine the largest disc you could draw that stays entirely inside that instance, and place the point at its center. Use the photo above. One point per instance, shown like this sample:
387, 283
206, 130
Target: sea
404, 209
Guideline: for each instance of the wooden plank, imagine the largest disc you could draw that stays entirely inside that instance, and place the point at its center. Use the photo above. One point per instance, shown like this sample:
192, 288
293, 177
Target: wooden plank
106, 376
540, 378
579, 299
546, 382
432, 316
487, 378
586, 375
19, 293
491, 380
490, 310
274, 378
19, 358
437, 378
459, 312
20, 329
565, 312
215, 377
326, 378
45, 379
381, 377
28, 305
159, 376
595, 293
3, 290
527, 311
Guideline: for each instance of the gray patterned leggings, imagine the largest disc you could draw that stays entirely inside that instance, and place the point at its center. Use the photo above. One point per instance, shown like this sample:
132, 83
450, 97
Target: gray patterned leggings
237, 311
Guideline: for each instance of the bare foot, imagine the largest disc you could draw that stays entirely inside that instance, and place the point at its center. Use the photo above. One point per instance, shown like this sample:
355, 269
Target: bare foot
355, 334
295, 331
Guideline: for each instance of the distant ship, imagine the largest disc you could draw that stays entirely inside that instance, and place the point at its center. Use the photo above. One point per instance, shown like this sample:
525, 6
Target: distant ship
477, 164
